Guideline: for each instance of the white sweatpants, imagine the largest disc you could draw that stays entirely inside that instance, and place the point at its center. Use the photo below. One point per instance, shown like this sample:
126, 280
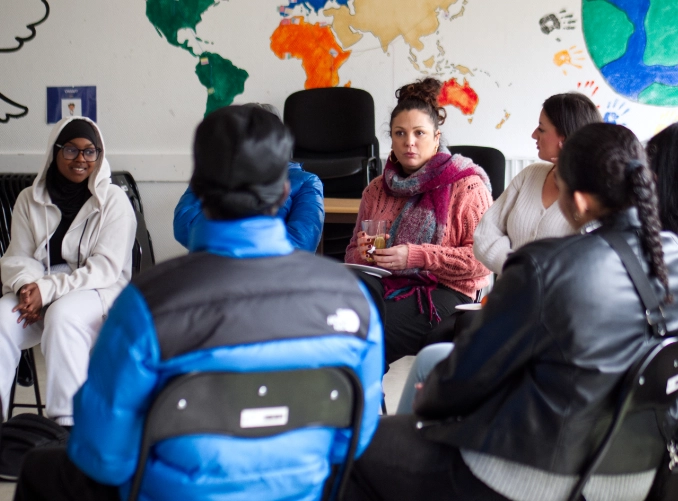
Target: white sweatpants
67, 333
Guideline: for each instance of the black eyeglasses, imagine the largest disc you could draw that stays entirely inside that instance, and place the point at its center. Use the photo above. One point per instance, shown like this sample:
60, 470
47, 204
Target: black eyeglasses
71, 152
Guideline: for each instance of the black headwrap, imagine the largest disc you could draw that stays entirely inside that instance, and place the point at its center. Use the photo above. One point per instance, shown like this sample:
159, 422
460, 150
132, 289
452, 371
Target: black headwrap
65, 194
68, 196
240, 157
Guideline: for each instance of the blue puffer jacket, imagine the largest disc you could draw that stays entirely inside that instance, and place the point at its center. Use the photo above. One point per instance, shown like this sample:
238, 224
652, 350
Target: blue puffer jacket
155, 332
303, 212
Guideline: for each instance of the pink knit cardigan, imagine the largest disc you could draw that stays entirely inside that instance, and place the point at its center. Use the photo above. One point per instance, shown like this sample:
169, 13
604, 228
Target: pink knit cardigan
453, 262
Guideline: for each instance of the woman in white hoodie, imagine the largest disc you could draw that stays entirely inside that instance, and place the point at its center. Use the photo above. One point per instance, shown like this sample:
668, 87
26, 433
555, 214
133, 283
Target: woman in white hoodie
69, 256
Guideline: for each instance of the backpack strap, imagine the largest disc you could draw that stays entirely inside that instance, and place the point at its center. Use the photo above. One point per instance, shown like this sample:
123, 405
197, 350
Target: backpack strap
654, 313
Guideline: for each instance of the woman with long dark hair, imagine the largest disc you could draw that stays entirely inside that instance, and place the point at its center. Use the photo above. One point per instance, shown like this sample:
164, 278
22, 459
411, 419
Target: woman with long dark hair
526, 210
515, 408
662, 151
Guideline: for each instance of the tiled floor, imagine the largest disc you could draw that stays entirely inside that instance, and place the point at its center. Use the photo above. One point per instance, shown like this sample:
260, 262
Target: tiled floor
393, 385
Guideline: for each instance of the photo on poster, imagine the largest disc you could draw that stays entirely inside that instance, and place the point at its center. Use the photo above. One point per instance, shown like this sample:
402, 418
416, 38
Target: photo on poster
71, 107
71, 101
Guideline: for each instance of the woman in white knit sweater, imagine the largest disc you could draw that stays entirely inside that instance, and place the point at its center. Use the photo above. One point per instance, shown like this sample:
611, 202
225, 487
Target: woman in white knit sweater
527, 211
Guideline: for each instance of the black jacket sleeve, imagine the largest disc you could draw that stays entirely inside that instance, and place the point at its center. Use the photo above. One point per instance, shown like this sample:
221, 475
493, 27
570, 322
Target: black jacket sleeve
496, 348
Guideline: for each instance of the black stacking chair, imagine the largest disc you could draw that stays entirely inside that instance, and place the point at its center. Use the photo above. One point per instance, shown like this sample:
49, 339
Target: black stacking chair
212, 403
490, 159
649, 389
334, 135
142, 253
17, 185
26, 374
5, 216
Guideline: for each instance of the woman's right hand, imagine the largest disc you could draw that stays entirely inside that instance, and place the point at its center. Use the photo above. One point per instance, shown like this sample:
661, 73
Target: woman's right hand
364, 244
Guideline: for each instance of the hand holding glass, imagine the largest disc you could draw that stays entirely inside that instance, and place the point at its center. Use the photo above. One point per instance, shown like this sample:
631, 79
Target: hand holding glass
375, 231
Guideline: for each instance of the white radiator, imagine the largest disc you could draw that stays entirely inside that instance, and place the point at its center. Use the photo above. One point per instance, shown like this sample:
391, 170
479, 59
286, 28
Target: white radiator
515, 165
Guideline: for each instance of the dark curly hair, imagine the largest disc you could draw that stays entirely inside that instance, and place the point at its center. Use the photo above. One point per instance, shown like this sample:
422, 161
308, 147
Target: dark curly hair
570, 111
662, 152
421, 95
608, 161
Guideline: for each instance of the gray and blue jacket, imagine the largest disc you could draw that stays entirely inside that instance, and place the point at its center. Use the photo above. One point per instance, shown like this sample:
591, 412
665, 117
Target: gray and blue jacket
303, 211
243, 300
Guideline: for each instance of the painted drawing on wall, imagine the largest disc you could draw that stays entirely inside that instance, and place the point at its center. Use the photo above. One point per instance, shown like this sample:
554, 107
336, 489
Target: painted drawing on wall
634, 44
323, 46
551, 23
571, 57
314, 44
320, 38
15, 31
222, 79
167, 62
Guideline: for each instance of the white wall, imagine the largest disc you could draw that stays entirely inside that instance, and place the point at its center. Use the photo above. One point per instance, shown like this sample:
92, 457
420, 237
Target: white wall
150, 100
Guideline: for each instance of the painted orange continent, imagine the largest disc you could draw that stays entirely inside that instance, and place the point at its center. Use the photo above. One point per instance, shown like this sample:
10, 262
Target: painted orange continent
315, 45
461, 96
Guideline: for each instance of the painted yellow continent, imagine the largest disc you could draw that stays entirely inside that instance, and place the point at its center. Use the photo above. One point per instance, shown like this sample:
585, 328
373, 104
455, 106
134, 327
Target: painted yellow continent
387, 20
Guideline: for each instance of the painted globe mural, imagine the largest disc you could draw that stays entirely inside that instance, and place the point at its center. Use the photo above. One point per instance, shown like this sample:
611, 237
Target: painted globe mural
634, 44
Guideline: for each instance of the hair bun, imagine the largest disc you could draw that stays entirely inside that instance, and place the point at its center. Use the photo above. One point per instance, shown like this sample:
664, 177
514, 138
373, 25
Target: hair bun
426, 91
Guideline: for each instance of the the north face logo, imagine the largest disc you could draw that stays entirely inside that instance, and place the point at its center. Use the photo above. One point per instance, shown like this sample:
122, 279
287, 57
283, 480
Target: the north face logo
344, 320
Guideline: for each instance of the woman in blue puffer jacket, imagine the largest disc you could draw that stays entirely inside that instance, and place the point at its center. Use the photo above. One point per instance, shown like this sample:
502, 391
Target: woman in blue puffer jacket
303, 212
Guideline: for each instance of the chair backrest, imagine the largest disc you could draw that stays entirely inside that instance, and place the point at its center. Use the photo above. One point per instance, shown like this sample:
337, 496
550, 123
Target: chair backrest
490, 159
334, 137
332, 120
143, 256
254, 405
10, 187
650, 385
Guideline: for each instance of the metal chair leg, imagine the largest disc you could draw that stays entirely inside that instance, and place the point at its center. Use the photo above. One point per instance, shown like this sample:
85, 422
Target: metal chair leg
11, 395
30, 358
36, 386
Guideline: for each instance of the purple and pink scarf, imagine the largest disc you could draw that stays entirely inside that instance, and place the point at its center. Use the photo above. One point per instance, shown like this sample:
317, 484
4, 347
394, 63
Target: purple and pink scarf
423, 219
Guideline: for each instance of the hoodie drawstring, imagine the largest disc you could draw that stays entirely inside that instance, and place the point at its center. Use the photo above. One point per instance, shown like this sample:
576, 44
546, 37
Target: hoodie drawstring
80, 242
49, 268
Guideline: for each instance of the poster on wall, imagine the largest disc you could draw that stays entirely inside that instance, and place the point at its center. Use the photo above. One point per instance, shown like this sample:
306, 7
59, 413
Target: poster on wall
71, 101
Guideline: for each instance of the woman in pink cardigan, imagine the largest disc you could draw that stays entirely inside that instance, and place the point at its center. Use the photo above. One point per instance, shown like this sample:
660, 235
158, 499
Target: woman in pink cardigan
433, 202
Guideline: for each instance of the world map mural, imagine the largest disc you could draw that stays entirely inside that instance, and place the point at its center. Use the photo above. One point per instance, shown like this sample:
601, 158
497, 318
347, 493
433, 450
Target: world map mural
322, 47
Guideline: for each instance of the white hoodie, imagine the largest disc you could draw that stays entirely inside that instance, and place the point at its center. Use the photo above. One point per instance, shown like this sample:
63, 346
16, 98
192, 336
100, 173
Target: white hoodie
100, 238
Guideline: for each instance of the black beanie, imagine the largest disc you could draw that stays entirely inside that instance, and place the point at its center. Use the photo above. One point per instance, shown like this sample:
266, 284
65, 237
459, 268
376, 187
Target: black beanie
240, 158
78, 128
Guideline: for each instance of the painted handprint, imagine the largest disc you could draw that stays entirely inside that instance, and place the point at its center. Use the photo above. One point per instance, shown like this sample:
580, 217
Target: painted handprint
615, 111
561, 21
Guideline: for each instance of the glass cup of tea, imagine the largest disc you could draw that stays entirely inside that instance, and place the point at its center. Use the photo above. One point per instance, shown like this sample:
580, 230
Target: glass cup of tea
376, 231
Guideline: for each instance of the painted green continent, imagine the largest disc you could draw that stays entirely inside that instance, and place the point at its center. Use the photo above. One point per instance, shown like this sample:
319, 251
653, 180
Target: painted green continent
660, 95
661, 27
170, 16
607, 30
222, 79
